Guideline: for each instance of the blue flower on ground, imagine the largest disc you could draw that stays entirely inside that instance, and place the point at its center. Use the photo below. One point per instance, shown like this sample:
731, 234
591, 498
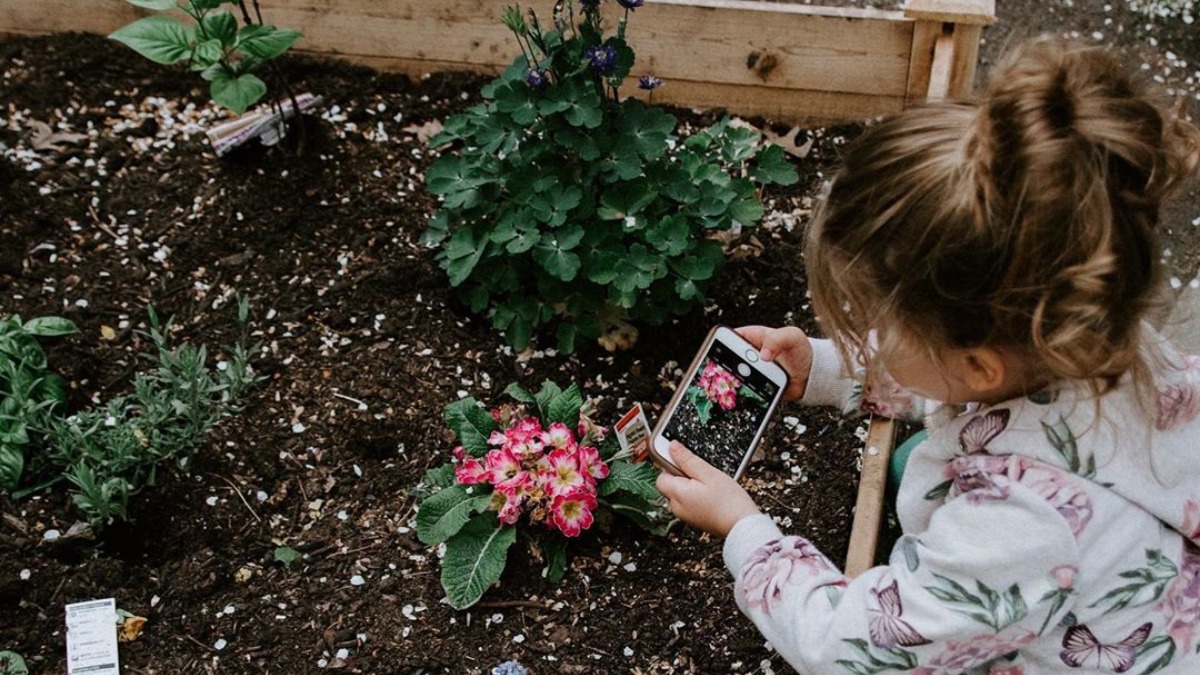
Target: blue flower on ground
536, 78
510, 668
602, 59
631, 4
649, 82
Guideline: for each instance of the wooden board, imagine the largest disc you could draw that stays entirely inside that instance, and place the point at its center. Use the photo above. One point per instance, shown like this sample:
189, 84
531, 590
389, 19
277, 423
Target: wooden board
872, 489
787, 62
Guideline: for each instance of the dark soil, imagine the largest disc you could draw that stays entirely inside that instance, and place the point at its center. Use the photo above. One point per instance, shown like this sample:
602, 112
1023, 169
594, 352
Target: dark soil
353, 309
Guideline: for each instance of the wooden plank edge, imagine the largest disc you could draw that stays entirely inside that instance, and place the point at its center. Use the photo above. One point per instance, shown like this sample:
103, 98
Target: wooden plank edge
972, 12
872, 488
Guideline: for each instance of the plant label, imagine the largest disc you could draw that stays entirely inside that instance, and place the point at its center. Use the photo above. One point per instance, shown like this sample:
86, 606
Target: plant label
92, 638
633, 433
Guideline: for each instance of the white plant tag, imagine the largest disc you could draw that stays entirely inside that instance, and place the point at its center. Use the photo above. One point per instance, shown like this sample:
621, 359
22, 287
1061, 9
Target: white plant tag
92, 638
633, 433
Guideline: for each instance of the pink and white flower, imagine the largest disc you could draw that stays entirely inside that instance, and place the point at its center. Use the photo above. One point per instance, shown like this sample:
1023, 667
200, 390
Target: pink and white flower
571, 513
507, 504
962, 656
719, 385
561, 473
502, 465
558, 436
590, 462
990, 477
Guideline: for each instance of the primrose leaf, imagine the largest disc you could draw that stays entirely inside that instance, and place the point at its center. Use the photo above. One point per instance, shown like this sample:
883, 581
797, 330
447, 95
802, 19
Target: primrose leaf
237, 92
162, 39
12, 465
565, 407
518, 393
444, 513
49, 326
471, 424
556, 558
475, 559
637, 479
266, 42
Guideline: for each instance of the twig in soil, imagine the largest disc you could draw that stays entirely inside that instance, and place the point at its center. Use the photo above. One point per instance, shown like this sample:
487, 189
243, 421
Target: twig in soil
509, 604
240, 496
361, 405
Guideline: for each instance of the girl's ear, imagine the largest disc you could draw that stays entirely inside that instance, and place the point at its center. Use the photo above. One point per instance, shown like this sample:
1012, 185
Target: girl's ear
983, 369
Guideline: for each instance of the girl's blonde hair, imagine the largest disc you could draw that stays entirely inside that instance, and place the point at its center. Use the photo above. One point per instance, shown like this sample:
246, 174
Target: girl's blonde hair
1024, 220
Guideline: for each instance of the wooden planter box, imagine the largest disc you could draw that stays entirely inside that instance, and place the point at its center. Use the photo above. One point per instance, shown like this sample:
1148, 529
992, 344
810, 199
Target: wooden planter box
790, 63
787, 62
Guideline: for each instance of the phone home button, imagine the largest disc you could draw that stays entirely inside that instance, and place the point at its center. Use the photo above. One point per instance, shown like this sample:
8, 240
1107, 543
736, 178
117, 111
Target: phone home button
751, 356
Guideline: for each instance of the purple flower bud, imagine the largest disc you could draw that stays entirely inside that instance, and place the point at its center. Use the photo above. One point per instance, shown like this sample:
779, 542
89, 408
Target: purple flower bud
649, 82
602, 59
631, 4
536, 78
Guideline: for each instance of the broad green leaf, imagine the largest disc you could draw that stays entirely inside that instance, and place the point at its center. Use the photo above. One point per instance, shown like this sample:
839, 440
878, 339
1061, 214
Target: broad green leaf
220, 26
266, 42
475, 559
12, 465
517, 392
545, 396
671, 235
565, 407
645, 128
206, 55
440, 477
566, 335
472, 424
437, 229
646, 514
458, 180
237, 93
47, 326
162, 39
635, 479
444, 513
625, 199
554, 257
747, 210
159, 5
739, 144
516, 101
772, 167
462, 254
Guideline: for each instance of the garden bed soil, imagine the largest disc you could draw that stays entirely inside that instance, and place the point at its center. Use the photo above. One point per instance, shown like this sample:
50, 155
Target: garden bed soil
364, 345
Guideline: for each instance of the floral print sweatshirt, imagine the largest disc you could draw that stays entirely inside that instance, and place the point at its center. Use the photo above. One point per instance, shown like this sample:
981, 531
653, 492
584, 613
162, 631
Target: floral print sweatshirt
1042, 535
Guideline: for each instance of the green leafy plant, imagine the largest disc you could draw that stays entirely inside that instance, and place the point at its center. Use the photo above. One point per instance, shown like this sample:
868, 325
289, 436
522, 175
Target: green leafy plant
564, 204
107, 454
541, 467
28, 389
11, 663
212, 43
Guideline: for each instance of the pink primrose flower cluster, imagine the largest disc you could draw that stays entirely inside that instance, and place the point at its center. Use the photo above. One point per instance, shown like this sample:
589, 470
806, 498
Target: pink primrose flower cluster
543, 472
719, 385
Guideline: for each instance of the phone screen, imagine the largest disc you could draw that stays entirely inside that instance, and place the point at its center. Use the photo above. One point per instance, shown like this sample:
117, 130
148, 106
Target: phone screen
723, 408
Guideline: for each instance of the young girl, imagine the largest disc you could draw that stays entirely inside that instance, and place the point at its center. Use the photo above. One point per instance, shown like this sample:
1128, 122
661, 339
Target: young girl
997, 257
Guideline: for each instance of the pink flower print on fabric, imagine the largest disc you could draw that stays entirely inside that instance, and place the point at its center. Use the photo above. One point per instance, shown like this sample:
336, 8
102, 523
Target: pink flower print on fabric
1064, 576
1012, 669
1191, 520
959, 657
980, 431
1180, 605
887, 628
988, 477
777, 565
1177, 405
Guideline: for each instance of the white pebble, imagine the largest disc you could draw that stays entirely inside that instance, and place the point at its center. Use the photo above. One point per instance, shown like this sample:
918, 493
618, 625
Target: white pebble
229, 609
298, 428
211, 501
357, 580
220, 644
518, 638
342, 653
627, 652
51, 535
25, 574
615, 557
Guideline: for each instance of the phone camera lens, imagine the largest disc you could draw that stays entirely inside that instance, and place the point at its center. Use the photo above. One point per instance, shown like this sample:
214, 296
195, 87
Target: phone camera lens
751, 356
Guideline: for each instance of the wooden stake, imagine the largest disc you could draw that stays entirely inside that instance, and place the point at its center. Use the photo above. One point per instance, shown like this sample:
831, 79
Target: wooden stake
872, 485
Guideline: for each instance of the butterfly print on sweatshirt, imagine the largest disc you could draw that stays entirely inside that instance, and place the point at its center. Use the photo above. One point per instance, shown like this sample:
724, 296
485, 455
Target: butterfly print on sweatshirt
980, 431
1081, 649
888, 630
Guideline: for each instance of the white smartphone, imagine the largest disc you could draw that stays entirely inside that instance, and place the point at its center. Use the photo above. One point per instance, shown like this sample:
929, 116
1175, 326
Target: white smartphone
722, 407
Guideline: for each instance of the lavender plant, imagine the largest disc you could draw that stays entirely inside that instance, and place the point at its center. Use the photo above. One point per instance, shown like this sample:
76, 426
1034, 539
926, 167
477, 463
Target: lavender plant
212, 44
564, 204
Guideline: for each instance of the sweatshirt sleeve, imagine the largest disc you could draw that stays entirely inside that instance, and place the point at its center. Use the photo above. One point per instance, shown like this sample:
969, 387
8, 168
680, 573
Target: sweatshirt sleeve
829, 384
990, 575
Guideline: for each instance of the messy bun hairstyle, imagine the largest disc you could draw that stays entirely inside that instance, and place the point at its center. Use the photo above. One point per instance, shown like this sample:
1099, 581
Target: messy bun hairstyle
1025, 219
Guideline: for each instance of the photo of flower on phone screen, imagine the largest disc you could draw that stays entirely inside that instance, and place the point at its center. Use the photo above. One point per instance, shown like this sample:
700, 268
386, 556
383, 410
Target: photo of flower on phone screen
721, 410
719, 387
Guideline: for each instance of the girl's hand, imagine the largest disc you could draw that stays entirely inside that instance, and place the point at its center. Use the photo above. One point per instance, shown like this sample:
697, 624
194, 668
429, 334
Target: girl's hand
787, 346
706, 498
